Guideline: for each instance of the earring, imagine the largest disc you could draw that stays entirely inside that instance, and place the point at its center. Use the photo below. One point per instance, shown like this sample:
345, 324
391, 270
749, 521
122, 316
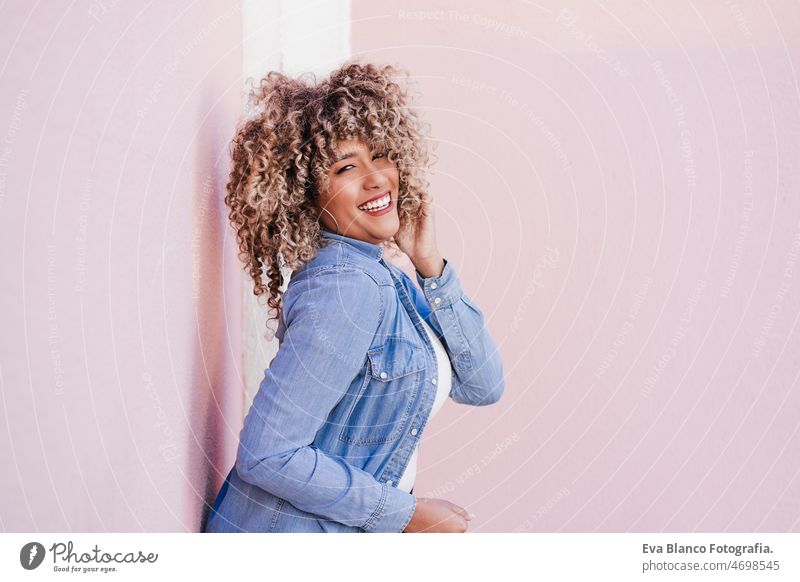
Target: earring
333, 217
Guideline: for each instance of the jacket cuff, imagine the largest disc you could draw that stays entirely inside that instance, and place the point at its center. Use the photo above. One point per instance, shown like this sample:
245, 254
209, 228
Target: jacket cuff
441, 291
393, 513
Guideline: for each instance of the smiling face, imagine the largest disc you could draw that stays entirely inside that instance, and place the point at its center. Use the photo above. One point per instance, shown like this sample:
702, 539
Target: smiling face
362, 195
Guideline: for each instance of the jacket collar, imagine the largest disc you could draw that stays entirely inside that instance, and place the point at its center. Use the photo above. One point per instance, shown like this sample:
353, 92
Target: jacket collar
371, 250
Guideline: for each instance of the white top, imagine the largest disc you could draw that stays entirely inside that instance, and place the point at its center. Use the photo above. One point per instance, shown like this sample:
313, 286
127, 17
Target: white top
443, 381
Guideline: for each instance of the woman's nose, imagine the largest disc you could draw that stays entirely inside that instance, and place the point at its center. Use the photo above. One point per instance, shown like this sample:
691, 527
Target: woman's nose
376, 178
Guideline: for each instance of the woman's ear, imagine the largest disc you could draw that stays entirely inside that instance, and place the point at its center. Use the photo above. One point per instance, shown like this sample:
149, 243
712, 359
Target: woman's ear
314, 209
311, 202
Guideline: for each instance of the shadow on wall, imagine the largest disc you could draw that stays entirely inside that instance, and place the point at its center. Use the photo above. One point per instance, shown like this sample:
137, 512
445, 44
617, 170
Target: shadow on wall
215, 396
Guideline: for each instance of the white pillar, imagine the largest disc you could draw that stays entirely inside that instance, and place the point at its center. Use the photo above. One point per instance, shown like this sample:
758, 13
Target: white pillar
292, 37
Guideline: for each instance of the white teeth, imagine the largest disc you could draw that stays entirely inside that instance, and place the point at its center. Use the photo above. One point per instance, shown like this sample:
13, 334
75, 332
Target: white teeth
379, 204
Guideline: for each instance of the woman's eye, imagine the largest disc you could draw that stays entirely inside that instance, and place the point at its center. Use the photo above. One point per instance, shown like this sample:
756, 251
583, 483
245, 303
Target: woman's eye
343, 168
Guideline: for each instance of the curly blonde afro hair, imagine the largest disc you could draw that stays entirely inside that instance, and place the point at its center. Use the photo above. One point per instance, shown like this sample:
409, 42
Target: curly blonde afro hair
282, 154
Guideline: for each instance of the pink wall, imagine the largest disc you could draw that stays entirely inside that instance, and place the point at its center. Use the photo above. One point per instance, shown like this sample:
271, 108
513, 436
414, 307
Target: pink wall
120, 309
618, 187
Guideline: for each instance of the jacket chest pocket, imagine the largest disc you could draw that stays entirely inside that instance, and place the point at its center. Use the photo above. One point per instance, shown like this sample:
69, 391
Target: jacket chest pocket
381, 409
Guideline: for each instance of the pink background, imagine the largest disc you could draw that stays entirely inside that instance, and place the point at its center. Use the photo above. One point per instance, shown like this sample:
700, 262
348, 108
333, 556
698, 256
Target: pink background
121, 313
617, 187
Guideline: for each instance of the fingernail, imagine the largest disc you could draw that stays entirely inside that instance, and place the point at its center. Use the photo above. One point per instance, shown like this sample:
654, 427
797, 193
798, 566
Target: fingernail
471, 516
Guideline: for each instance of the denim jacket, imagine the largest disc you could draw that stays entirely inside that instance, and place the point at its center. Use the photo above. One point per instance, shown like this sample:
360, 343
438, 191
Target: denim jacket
348, 394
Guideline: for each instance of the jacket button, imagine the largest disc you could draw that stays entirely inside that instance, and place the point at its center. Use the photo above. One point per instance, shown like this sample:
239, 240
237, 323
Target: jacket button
433, 381
438, 300
384, 375
390, 482
414, 431
434, 285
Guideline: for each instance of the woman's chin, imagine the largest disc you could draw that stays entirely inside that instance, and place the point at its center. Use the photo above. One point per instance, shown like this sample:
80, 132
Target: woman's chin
385, 225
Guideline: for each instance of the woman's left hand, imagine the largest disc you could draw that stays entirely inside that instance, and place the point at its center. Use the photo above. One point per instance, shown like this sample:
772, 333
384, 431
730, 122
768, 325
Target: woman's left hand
418, 241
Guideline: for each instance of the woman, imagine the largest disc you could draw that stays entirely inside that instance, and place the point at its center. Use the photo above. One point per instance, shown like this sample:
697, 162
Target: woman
326, 178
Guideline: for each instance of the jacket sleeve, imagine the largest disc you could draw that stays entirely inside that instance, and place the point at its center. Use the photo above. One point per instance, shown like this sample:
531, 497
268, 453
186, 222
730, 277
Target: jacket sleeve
478, 377
331, 320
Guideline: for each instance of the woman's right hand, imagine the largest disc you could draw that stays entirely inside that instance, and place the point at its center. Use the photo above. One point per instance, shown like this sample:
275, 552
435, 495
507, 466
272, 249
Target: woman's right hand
437, 515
